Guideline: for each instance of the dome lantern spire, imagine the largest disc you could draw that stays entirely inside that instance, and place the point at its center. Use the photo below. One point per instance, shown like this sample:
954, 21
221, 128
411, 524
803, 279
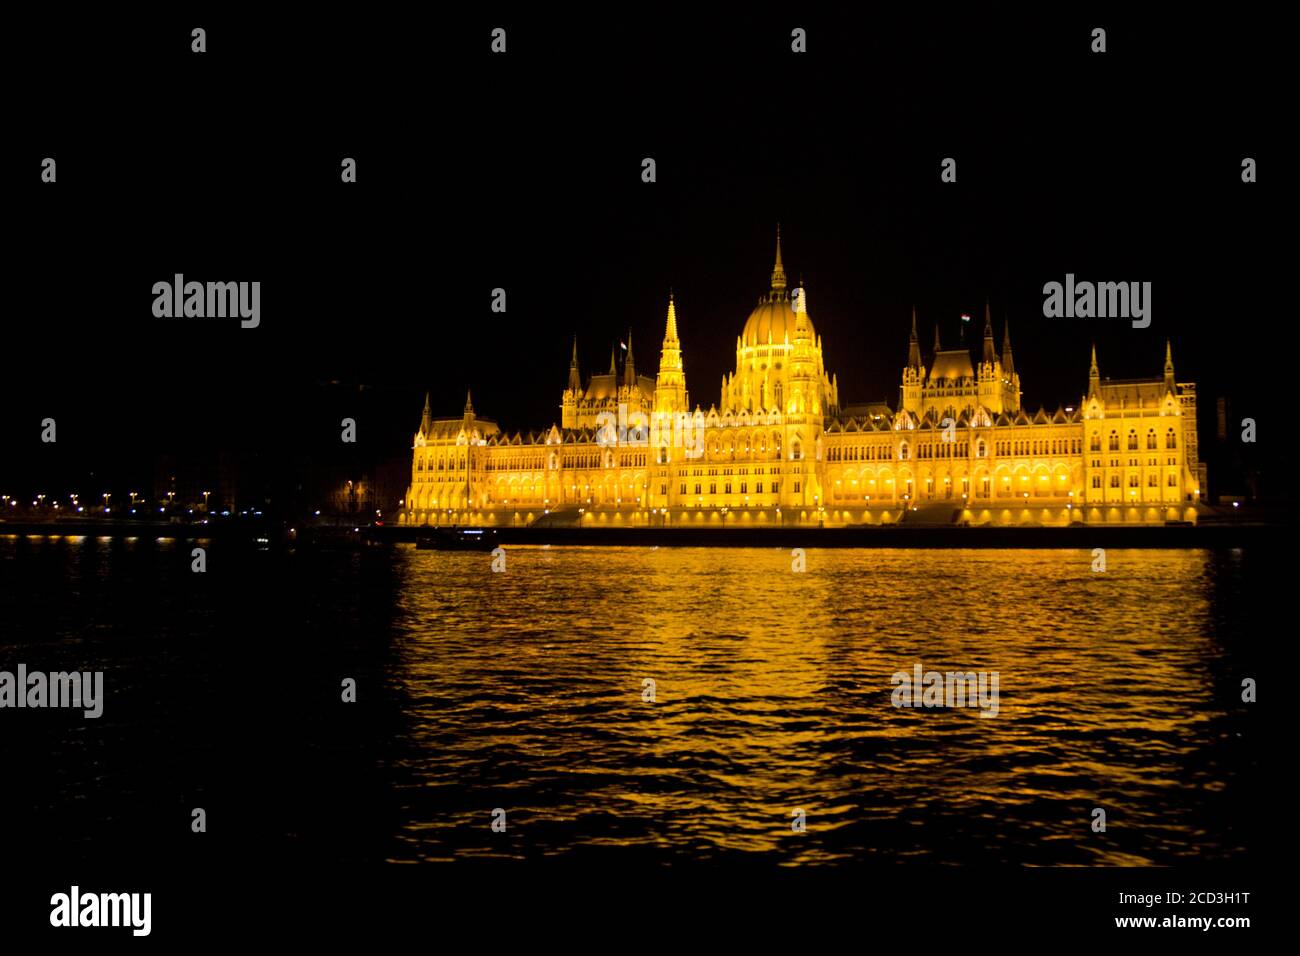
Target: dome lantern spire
778, 270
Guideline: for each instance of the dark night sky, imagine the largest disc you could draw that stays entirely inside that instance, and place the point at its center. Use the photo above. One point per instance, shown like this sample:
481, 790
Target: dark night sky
523, 172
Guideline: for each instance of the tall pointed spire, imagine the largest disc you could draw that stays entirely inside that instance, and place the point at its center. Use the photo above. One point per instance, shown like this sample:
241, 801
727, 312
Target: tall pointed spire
1094, 375
426, 420
629, 366
469, 403
913, 345
670, 333
778, 270
670, 384
575, 380
937, 346
990, 353
1008, 363
613, 365
1169, 366
670, 357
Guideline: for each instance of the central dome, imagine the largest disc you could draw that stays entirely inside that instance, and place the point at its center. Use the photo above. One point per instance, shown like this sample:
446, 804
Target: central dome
774, 317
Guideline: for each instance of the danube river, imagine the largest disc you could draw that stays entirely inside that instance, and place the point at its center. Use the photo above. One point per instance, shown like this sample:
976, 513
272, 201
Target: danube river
526, 690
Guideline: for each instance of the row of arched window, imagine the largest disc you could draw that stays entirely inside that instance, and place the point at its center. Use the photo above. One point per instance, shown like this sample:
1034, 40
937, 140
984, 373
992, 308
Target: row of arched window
440, 463
956, 449
1171, 440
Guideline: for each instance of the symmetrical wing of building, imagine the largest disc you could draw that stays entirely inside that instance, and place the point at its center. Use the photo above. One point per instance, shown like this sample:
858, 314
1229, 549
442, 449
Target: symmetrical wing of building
779, 448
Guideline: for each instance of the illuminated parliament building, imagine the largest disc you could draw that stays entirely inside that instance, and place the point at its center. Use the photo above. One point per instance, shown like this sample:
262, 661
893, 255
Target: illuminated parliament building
779, 448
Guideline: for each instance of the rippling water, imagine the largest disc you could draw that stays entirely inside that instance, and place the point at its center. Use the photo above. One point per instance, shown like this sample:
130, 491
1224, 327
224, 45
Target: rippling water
523, 690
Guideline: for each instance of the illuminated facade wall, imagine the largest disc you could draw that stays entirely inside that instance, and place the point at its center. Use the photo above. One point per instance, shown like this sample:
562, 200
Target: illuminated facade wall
779, 449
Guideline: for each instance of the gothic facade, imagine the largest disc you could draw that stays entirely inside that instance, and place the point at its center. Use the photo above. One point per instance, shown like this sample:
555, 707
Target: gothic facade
779, 448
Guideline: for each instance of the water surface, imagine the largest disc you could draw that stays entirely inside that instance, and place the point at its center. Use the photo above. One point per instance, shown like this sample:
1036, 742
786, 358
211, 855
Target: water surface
523, 691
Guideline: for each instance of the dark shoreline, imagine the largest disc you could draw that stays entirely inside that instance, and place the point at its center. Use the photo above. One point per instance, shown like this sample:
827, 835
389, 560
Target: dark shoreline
1207, 535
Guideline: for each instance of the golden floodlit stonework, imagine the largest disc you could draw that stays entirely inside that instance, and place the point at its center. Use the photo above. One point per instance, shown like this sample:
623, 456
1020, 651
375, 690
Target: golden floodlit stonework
780, 449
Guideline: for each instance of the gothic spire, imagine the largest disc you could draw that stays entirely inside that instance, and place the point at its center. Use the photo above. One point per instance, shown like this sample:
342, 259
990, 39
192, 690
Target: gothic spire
1008, 363
802, 329
913, 345
670, 383
426, 420
670, 357
990, 353
575, 380
469, 403
629, 366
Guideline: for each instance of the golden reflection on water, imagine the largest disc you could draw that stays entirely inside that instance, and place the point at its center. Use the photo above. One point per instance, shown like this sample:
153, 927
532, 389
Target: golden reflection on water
524, 690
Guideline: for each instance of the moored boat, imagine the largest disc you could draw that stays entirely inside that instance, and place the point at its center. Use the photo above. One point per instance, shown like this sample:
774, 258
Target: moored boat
457, 539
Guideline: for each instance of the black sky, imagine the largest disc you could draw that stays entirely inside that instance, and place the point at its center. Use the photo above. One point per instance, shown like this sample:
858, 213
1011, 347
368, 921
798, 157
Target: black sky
523, 171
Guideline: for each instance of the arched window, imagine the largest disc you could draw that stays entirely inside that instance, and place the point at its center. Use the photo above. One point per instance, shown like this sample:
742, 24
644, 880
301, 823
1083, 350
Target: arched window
1170, 440
796, 450
1151, 438
1114, 441
980, 450
1132, 440
903, 451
